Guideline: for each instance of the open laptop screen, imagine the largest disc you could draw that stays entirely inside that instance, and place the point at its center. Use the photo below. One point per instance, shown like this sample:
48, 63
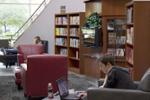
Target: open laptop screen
62, 87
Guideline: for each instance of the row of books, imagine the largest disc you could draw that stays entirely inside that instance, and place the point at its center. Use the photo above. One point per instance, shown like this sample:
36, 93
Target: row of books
117, 40
77, 55
121, 40
61, 21
111, 38
63, 51
74, 20
129, 15
61, 41
61, 31
116, 52
129, 55
74, 31
130, 35
74, 43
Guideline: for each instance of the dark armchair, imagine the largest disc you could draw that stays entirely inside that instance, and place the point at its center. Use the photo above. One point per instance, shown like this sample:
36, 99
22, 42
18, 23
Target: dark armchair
141, 93
9, 56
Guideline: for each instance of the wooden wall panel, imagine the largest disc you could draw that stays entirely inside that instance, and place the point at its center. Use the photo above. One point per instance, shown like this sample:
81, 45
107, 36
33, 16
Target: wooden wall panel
141, 38
113, 7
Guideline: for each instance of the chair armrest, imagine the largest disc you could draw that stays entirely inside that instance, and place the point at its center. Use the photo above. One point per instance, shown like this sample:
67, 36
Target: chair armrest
100, 82
24, 66
116, 94
20, 58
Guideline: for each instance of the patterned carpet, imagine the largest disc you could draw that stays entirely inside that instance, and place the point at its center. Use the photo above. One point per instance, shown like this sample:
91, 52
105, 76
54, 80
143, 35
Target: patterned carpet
9, 91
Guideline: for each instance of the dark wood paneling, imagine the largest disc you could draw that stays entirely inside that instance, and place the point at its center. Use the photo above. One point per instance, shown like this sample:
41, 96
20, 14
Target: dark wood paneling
110, 9
113, 7
93, 7
141, 38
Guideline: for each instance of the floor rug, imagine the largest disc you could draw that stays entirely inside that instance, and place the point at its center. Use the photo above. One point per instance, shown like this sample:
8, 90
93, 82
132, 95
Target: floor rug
9, 91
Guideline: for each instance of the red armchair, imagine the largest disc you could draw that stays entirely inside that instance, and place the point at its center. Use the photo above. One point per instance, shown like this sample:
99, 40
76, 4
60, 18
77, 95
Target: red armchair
28, 49
24, 51
40, 70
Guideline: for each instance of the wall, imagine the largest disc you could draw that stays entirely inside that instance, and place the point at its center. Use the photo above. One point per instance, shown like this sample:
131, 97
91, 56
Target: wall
43, 26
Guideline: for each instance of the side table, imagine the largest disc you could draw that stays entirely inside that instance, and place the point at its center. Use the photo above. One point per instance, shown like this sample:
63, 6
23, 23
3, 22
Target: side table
55, 98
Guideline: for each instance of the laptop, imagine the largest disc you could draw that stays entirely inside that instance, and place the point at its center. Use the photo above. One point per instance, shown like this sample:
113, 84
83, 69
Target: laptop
64, 90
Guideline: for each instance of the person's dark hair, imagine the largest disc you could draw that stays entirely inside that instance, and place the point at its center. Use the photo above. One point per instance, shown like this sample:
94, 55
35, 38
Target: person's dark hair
107, 59
38, 39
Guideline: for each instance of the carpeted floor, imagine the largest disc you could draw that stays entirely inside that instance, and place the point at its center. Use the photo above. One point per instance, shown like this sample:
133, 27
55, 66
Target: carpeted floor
9, 91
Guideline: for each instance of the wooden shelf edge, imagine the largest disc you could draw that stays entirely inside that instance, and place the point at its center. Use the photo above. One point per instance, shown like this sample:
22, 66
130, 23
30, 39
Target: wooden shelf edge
74, 58
61, 46
74, 47
129, 4
77, 37
64, 36
130, 24
129, 63
64, 25
129, 44
60, 14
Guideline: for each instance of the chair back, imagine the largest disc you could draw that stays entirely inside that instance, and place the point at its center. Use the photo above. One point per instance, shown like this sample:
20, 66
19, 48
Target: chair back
28, 49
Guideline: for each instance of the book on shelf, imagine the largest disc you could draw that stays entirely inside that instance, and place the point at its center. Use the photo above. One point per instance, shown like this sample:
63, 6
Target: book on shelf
77, 54
61, 41
130, 35
129, 55
120, 52
63, 51
116, 52
111, 38
120, 40
74, 31
111, 51
74, 20
74, 42
61, 31
61, 21
129, 15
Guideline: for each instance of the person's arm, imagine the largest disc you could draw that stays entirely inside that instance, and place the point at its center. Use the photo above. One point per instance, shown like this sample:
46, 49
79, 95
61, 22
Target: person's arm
105, 79
111, 80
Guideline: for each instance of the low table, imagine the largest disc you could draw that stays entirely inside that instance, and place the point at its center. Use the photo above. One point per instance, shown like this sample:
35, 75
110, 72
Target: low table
71, 91
55, 98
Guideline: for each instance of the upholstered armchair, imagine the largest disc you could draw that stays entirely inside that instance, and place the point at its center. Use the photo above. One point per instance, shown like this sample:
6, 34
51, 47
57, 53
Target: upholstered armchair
25, 50
28, 49
39, 71
141, 93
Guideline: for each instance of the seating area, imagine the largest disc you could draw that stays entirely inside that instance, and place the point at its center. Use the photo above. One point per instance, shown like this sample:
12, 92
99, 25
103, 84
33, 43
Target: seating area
141, 93
82, 49
39, 69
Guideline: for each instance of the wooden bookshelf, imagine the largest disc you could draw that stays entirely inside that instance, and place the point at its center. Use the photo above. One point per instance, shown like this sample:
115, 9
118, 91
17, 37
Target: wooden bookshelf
67, 37
138, 37
108, 10
116, 33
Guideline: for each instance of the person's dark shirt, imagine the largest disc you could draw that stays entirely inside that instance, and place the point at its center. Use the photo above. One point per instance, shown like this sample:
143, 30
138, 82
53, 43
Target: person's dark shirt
120, 78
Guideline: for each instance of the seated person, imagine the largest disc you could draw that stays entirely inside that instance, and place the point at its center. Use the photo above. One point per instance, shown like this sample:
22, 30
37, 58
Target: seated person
115, 77
37, 40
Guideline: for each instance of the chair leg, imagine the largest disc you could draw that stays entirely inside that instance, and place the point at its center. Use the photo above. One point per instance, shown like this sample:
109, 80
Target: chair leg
29, 98
19, 86
6, 66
